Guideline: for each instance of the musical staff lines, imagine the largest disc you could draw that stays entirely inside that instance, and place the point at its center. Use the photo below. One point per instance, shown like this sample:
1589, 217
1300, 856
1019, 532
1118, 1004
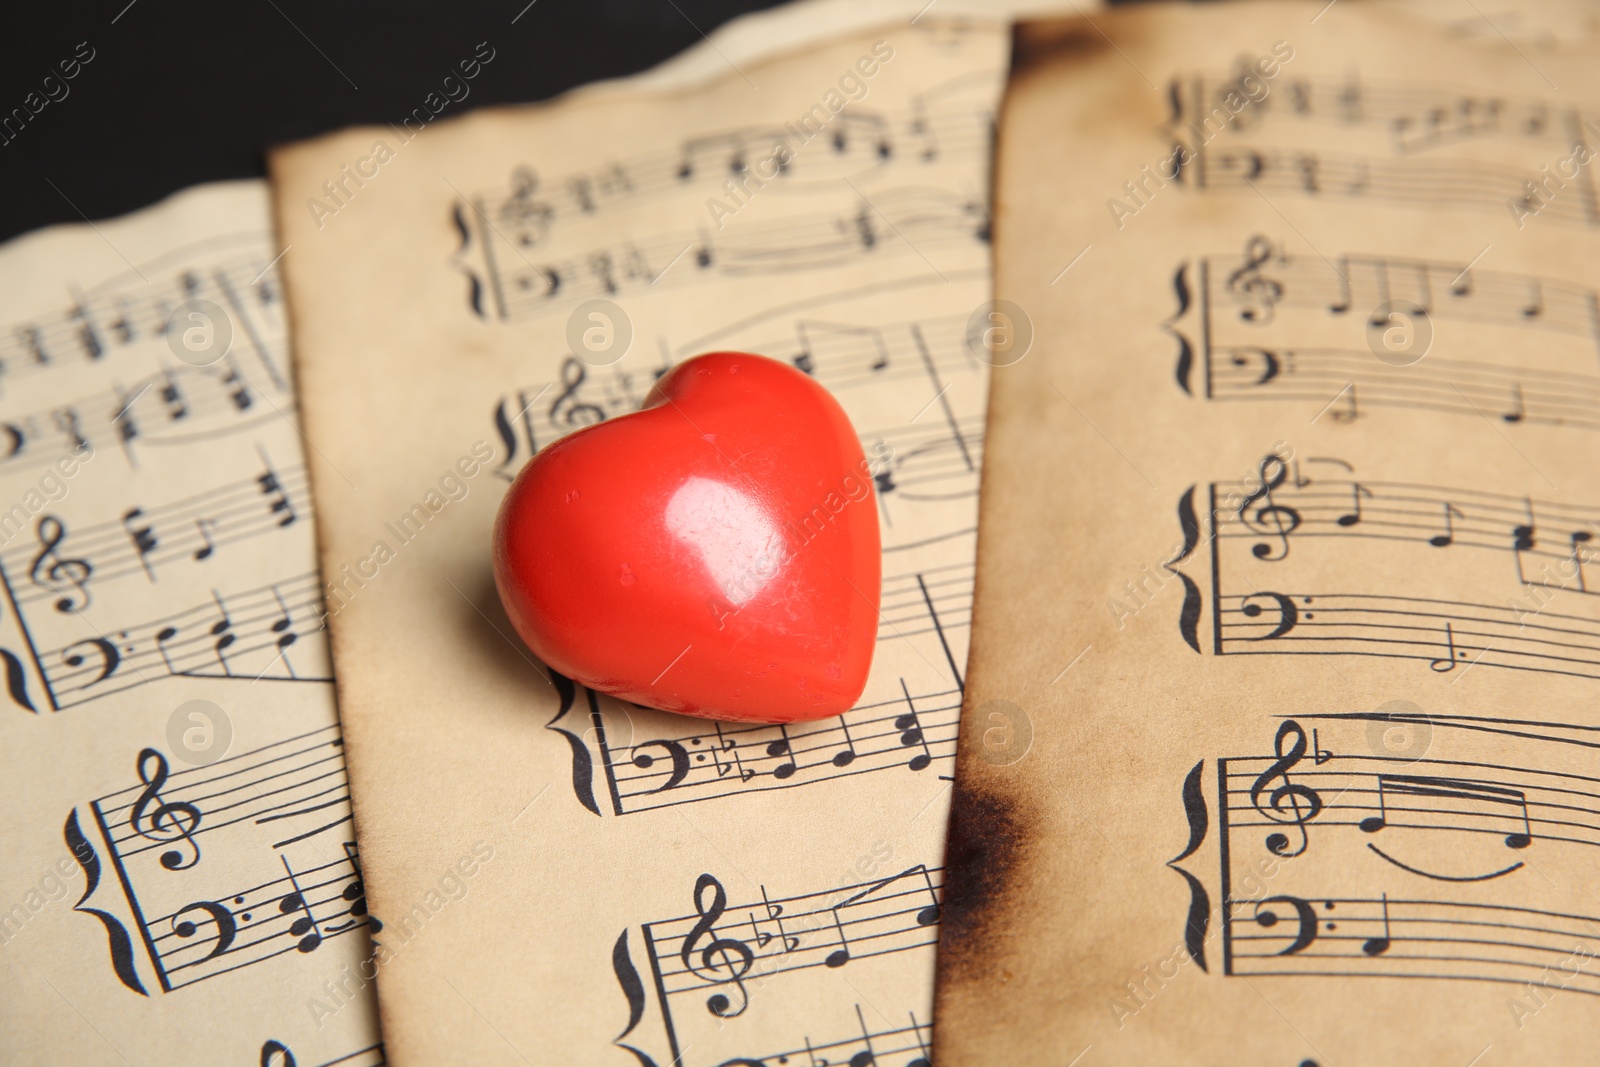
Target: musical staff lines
1519, 572
1405, 868
719, 964
126, 315
280, 812
902, 1046
295, 788
144, 542
249, 635
1415, 117
932, 460
896, 222
1257, 329
945, 121
911, 733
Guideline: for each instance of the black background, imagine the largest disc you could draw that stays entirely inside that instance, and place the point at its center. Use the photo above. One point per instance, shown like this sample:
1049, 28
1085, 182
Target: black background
181, 91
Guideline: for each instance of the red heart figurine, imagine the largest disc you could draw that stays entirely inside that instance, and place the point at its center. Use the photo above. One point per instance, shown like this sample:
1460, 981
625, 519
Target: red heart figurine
714, 553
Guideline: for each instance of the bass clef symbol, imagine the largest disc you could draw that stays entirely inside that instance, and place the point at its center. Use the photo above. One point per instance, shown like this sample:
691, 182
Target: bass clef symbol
724, 959
1301, 801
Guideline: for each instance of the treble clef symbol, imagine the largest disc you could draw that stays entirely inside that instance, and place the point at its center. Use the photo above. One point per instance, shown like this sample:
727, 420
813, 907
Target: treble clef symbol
722, 953
51, 570
1303, 801
1257, 293
566, 408
174, 821
1271, 517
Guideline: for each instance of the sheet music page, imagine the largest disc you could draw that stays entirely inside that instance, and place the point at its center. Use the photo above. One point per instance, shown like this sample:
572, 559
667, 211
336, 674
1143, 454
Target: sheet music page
646, 888
181, 881
1280, 739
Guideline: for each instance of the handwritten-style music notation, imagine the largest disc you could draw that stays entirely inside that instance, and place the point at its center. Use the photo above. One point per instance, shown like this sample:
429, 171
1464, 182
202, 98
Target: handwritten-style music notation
1413, 117
1397, 866
286, 804
894, 222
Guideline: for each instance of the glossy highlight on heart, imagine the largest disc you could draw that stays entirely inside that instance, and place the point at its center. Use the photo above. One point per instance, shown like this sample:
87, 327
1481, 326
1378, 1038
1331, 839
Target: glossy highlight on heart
715, 553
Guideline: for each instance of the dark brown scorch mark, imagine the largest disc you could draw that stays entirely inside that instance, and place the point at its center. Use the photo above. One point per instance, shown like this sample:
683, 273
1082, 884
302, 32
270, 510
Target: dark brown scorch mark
988, 839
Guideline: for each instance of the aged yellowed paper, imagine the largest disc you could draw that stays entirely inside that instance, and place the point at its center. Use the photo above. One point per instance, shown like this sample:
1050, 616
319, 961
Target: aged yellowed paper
645, 888
181, 881
1280, 739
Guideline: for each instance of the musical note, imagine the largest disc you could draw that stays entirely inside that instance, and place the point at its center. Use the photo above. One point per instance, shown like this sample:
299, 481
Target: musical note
283, 624
1350, 410
1377, 946
782, 747
846, 755
1518, 409
143, 537
1455, 789
1352, 517
1444, 540
222, 631
272, 489
172, 397
910, 727
1447, 662
57, 569
204, 527
305, 927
